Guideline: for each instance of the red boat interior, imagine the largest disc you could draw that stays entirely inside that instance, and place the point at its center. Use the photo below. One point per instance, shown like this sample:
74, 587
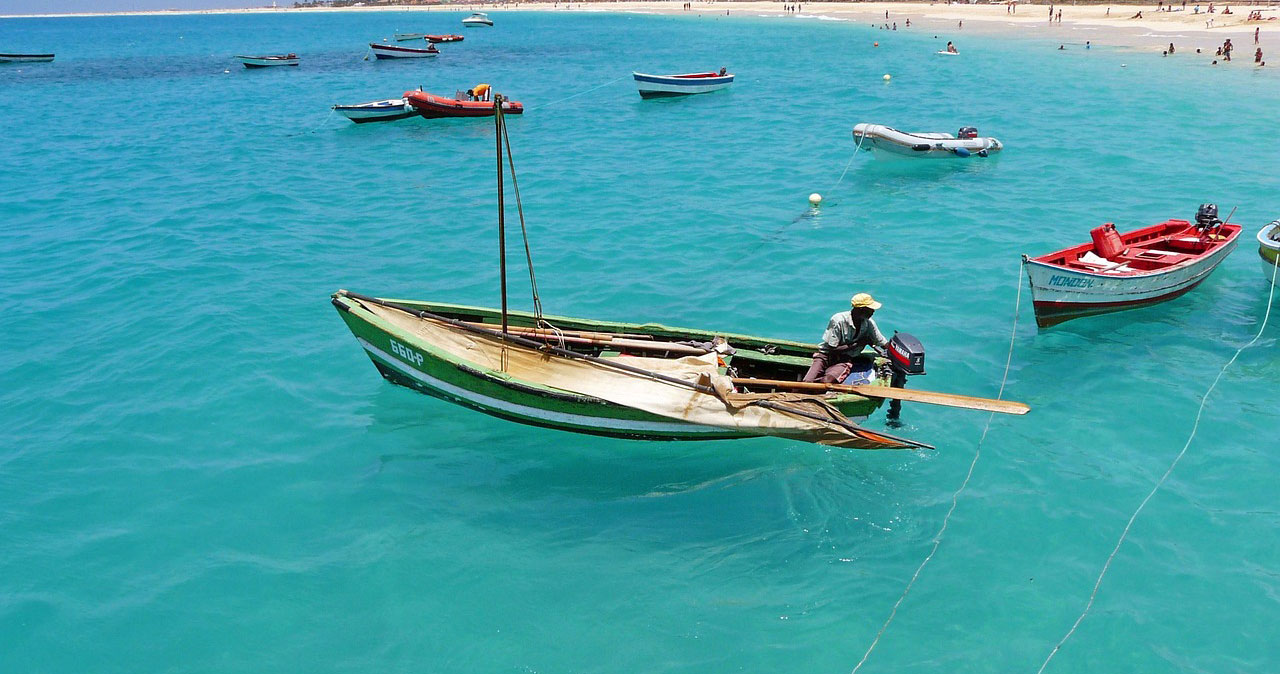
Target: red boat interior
1168, 244
698, 75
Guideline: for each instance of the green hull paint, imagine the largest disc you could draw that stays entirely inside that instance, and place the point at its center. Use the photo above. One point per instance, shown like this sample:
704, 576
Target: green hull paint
442, 376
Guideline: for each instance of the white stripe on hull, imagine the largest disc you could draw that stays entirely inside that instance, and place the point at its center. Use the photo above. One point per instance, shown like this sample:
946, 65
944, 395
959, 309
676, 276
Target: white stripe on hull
655, 87
1050, 283
558, 418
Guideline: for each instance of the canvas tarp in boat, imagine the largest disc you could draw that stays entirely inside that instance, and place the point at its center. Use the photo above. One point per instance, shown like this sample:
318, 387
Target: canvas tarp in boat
797, 416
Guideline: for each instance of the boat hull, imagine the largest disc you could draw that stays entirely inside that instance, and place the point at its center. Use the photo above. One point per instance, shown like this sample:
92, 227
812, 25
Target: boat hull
405, 37
379, 111
438, 107
1269, 253
437, 39
253, 62
387, 52
25, 58
406, 360
664, 86
1060, 294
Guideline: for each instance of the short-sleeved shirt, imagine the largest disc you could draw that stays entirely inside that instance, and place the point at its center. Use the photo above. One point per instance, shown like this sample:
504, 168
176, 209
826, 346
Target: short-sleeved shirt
842, 331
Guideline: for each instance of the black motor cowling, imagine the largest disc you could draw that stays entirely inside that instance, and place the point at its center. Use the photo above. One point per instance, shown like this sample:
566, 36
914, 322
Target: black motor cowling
967, 132
1207, 216
906, 354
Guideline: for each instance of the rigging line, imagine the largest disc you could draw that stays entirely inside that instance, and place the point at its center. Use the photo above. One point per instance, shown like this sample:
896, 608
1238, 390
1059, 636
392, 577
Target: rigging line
318, 126
580, 93
1159, 483
524, 233
955, 497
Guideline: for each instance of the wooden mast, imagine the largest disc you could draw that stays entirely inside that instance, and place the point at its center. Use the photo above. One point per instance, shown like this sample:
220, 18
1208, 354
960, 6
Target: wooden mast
502, 229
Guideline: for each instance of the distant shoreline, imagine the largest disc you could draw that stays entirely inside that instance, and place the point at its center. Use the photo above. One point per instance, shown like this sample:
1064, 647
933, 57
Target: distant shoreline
1125, 26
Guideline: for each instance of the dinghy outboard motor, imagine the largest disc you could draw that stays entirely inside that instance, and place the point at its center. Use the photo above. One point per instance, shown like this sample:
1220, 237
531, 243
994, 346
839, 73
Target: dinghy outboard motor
1207, 217
906, 354
906, 357
967, 132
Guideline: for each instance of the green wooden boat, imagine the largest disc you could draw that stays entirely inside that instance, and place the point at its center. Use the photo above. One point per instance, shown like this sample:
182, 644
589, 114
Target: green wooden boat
642, 381
466, 371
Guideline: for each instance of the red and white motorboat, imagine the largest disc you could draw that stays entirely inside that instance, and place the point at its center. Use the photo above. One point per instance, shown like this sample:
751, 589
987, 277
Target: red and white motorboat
436, 39
1118, 271
392, 51
461, 104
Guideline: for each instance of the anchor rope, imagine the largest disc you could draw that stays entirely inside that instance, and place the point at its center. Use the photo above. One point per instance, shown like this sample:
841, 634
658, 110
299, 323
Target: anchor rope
955, 497
580, 93
808, 213
1163, 478
318, 126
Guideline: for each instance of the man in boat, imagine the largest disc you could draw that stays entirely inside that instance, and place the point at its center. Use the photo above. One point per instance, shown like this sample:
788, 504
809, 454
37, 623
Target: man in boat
847, 334
479, 93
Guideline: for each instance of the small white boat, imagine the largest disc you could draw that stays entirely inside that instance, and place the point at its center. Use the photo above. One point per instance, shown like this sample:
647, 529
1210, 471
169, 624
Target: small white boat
377, 111
269, 61
477, 19
654, 86
25, 58
891, 141
391, 51
1269, 251
405, 37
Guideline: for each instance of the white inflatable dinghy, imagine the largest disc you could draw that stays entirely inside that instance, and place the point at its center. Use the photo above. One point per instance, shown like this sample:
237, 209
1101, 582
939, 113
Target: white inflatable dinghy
889, 140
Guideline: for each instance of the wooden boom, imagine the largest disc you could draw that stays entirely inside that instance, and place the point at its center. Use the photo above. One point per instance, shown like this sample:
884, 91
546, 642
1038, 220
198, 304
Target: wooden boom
911, 395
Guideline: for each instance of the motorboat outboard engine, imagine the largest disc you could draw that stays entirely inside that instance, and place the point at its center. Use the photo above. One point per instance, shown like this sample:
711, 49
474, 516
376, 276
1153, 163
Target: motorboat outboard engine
906, 354
967, 132
1207, 217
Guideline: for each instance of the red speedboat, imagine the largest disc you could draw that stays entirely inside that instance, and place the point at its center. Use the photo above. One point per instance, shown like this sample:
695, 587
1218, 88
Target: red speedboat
432, 106
1117, 271
436, 39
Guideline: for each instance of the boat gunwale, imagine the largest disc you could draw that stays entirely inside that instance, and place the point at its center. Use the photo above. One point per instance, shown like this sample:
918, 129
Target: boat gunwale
1227, 244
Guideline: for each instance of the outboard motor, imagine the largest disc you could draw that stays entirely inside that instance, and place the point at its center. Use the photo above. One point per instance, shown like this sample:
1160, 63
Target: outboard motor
1207, 217
967, 132
906, 354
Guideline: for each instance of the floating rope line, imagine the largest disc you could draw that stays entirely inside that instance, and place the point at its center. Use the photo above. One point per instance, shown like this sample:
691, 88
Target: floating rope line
1159, 483
809, 213
955, 497
318, 126
580, 93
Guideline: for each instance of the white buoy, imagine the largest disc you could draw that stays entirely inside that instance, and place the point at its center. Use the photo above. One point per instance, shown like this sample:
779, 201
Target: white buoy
815, 199
887, 77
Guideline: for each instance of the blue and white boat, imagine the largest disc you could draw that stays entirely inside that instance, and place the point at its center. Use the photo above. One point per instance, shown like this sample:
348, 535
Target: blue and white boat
477, 19
25, 58
269, 61
377, 111
654, 86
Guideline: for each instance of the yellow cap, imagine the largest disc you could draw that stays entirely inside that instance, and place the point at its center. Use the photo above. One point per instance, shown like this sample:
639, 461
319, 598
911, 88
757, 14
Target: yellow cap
864, 301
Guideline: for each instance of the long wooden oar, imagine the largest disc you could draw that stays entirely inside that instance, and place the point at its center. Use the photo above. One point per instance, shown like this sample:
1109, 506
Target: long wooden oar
911, 395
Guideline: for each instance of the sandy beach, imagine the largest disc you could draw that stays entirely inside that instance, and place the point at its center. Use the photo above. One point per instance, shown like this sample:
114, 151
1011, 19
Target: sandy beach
1125, 26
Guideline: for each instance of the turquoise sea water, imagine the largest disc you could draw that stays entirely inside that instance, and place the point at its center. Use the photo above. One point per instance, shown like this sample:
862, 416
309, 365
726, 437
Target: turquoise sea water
201, 472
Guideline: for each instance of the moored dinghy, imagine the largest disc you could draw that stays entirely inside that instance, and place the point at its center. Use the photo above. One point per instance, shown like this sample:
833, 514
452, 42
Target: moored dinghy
405, 37
437, 39
392, 51
886, 140
1117, 271
25, 58
656, 86
1269, 251
269, 61
377, 111
474, 102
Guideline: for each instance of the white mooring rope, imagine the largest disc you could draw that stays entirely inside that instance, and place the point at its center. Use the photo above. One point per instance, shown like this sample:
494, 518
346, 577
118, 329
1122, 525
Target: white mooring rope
1159, 483
955, 497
